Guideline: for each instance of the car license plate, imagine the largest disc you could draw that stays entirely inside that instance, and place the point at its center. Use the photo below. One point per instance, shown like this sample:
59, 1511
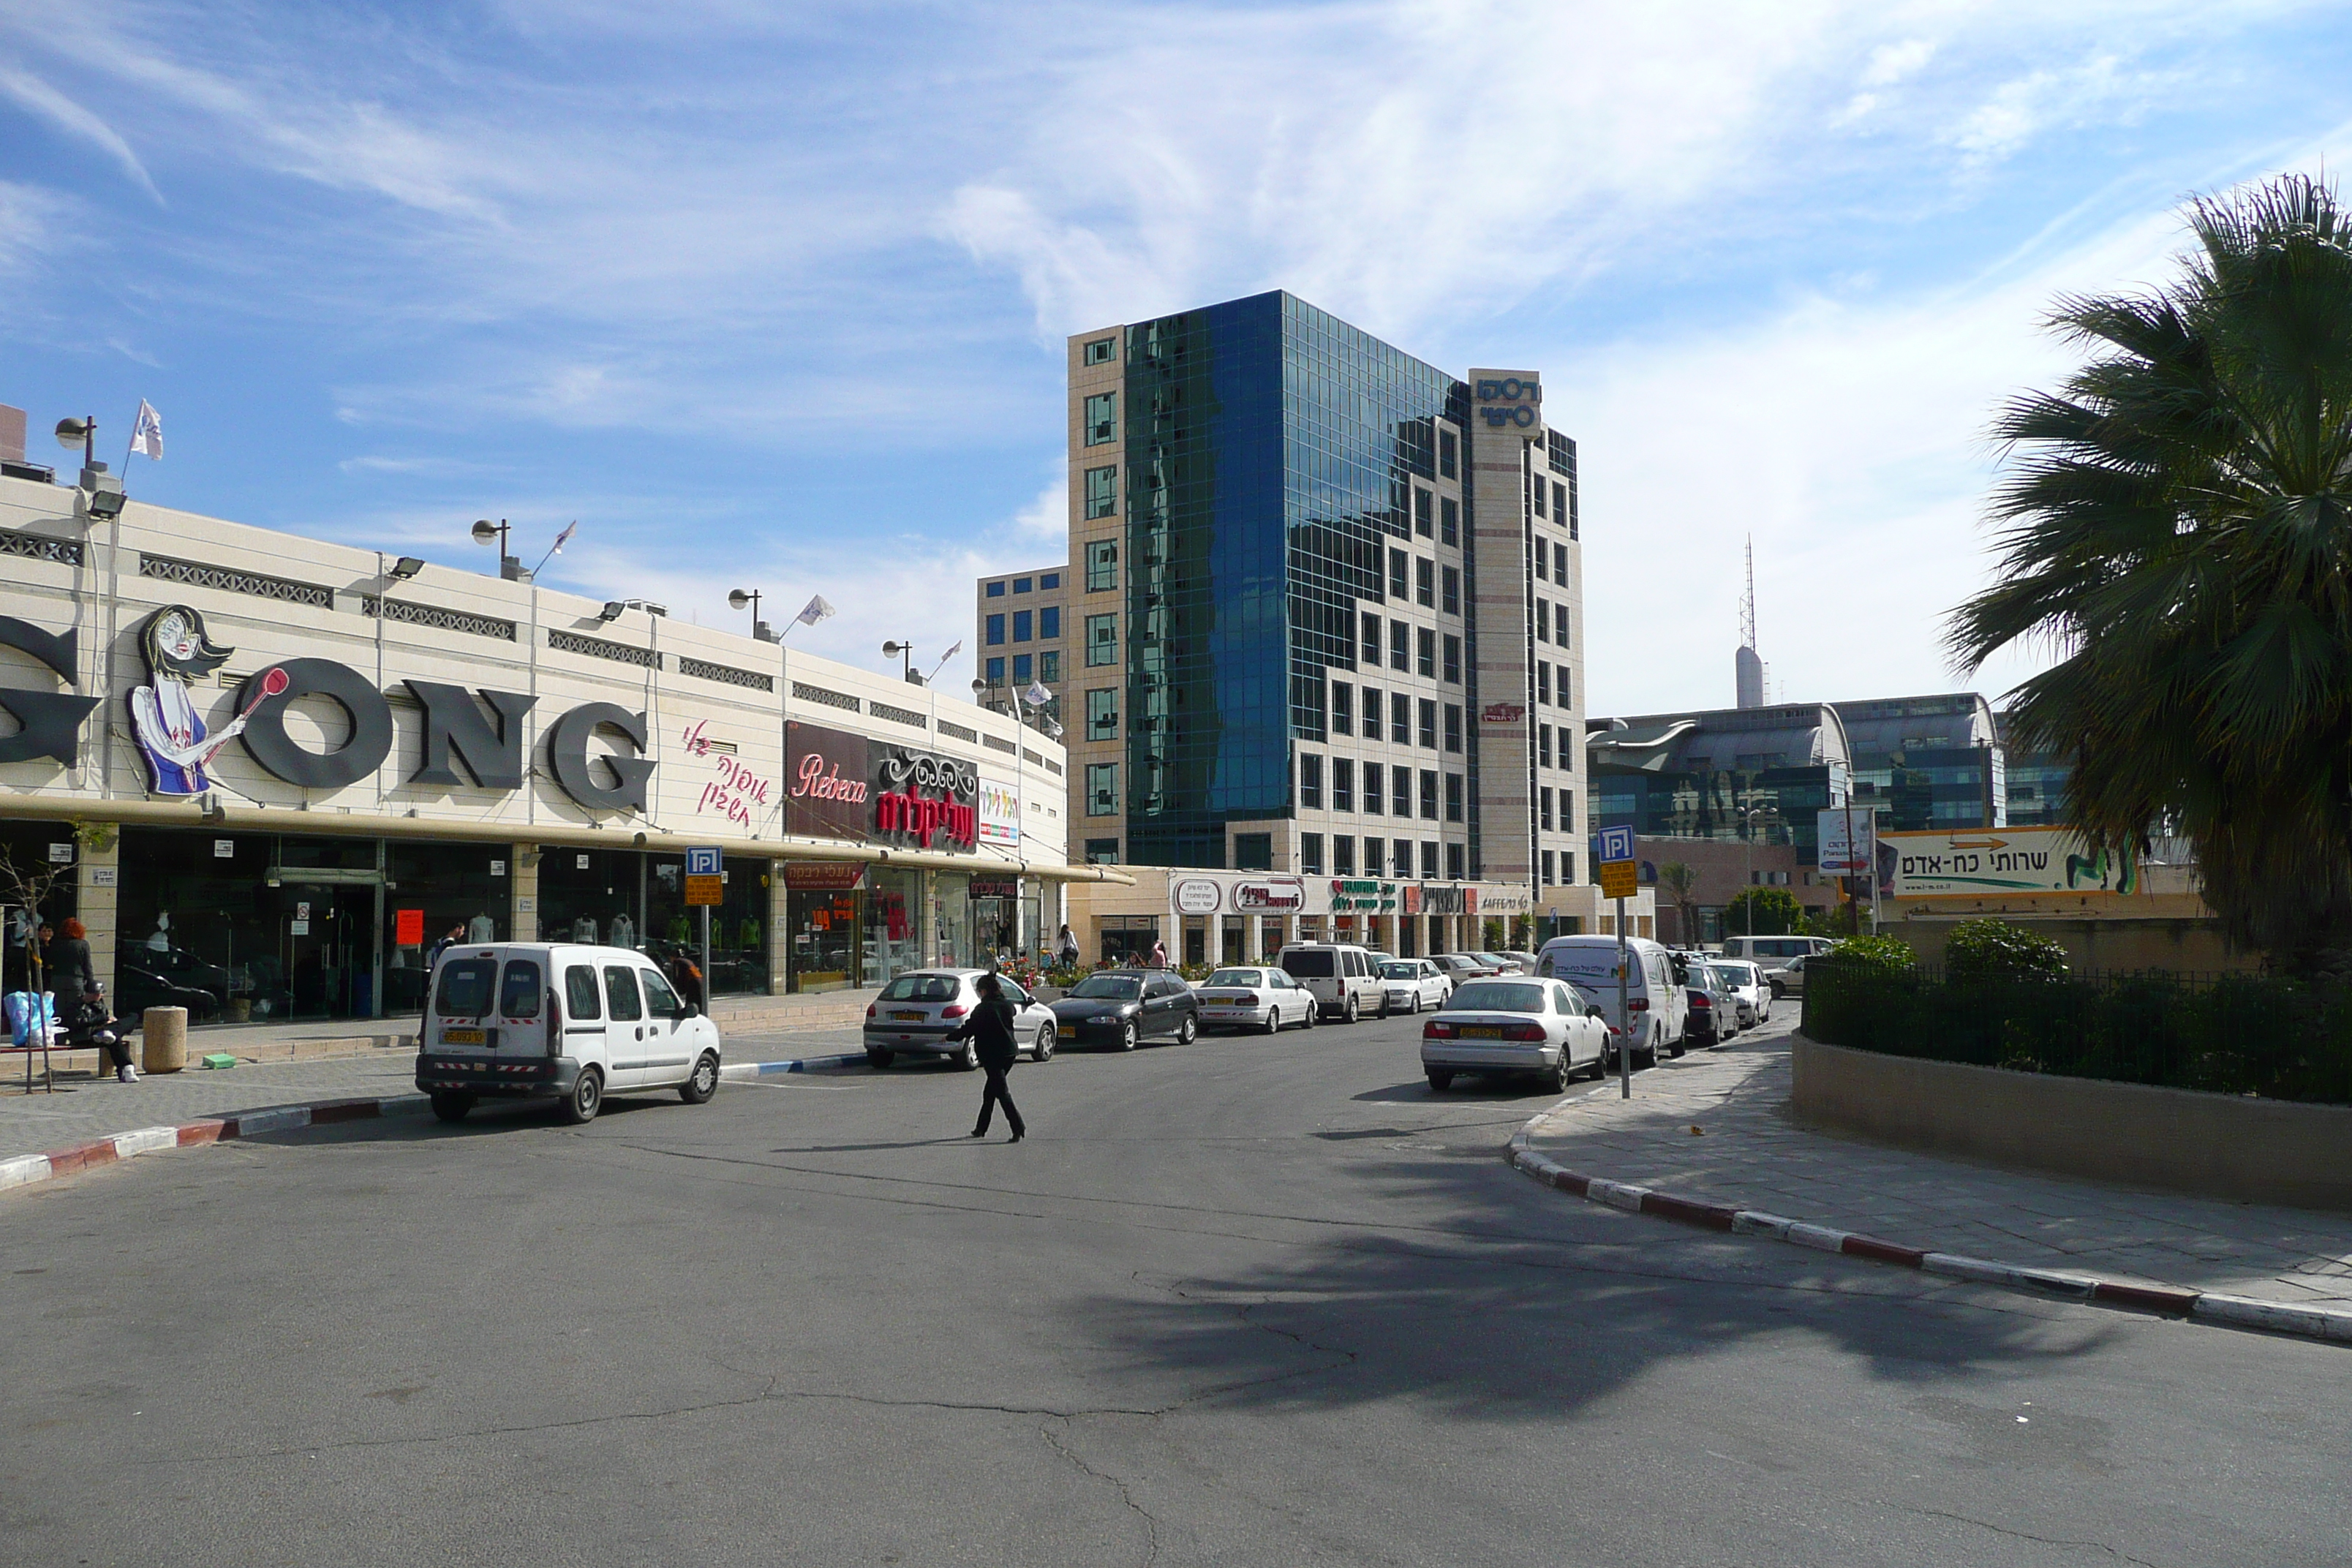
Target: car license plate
907, 1017
461, 1036
1481, 1032
1067, 1031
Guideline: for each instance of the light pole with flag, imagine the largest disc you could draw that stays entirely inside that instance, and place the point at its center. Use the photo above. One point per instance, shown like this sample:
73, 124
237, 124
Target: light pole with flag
817, 609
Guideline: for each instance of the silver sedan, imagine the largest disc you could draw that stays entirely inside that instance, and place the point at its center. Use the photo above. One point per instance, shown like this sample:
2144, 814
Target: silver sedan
1264, 999
1514, 1024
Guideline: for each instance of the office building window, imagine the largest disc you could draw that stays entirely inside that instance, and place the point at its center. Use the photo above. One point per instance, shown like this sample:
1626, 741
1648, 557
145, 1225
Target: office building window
1453, 797
1548, 869
1565, 700
1424, 583
1453, 660
1343, 785
1559, 501
1102, 789
996, 670
1102, 852
1543, 745
1102, 565
1049, 668
1102, 713
1373, 787
1539, 490
1429, 859
1102, 639
1396, 576
1102, 350
1311, 782
1568, 811
1343, 854
1400, 719
996, 590
1102, 492
1399, 646
1102, 419
1567, 867
1543, 801
1454, 726
1371, 713
1449, 521
1560, 625
1559, 564
996, 630
1543, 621
1449, 598
1021, 585
1021, 670
1543, 563
1050, 580
1372, 856
1372, 654
1454, 862
1543, 681
1343, 708
1421, 510
1429, 793
1400, 791
1252, 851
1021, 627
1049, 623
1402, 848
1446, 460
1426, 643
1429, 723
1310, 854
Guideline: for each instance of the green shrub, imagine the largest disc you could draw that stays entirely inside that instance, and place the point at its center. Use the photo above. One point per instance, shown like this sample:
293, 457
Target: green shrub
1885, 952
2001, 950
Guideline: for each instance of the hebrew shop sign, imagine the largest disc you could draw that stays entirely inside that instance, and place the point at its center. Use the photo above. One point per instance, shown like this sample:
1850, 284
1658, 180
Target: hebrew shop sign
842, 786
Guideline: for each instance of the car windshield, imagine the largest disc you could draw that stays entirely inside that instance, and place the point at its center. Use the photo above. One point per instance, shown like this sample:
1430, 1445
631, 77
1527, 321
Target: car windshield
923, 988
1399, 971
1308, 963
1236, 977
1496, 996
1109, 987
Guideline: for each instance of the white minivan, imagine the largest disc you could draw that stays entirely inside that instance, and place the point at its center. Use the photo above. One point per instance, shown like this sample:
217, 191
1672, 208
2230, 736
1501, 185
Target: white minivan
1656, 1001
1344, 978
521, 1019
1771, 951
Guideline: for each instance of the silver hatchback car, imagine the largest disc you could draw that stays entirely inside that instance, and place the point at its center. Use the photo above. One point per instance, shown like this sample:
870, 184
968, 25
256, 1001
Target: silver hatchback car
918, 1011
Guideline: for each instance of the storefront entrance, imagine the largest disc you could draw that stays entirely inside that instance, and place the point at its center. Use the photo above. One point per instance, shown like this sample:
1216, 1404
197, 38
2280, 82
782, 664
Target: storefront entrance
326, 950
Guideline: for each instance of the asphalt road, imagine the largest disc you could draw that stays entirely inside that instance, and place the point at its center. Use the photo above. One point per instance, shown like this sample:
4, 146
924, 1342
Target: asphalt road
1248, 1301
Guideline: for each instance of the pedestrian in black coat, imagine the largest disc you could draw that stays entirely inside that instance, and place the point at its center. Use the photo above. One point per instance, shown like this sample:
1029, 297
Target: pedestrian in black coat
990, 1030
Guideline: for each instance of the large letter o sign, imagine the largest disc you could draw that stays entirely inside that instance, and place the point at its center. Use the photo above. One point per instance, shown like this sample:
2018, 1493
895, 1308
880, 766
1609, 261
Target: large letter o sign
266, 742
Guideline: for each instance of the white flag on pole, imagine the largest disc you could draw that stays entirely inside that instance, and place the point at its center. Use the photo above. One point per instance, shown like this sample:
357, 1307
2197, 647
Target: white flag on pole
818, 610
951, 652
147, 431
1037, 696
565, 537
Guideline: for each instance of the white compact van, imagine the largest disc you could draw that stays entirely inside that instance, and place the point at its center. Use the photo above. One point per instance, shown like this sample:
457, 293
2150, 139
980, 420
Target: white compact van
1773, 951
1344, 978
1656, 1004
520, 1019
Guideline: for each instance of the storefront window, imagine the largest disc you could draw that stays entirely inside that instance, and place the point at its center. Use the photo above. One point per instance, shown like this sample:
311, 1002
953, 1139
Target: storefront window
952, 915
431, 890
893, 921
996, 918
28, 849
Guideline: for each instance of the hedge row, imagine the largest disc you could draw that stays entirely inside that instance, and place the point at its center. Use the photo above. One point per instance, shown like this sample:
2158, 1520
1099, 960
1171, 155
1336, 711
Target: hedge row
2282, 1040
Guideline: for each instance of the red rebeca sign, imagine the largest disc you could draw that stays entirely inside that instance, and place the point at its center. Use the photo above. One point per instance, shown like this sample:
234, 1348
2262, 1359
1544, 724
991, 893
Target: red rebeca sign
923, 795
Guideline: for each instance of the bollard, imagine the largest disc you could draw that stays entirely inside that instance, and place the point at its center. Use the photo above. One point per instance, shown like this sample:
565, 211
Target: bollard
163, 1036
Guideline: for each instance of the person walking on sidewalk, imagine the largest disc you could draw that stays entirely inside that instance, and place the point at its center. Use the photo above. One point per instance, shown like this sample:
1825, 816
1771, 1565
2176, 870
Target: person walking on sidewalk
1067, 948
75, 980
990, 1030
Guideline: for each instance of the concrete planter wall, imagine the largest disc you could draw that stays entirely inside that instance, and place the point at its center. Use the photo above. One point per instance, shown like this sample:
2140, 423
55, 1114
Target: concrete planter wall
2214, 1145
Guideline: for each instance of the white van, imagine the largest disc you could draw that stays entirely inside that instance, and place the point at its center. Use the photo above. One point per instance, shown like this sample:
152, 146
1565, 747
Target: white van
1773, 951
1656, 1002
522, 1019
1345, 980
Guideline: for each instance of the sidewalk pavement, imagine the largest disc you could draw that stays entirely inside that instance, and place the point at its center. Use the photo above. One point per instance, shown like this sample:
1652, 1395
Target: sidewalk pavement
1749, 1153
101, 1107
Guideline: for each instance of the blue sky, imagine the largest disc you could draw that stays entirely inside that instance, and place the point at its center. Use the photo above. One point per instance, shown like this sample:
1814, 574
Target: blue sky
773, 296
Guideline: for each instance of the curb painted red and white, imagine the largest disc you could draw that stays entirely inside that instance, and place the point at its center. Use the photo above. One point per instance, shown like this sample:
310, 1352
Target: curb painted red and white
2203, 1305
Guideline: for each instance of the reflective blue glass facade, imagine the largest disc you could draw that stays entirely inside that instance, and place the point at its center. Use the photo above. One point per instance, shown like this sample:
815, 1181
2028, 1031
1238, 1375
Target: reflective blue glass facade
1269, 448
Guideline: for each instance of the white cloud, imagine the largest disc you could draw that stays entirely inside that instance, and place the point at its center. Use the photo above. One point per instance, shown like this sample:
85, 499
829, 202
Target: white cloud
39, 97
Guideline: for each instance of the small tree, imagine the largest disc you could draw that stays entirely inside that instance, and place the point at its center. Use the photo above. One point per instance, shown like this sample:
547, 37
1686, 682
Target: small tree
1875, 952
28, 886
1763, 911
1680, 884
2001, 950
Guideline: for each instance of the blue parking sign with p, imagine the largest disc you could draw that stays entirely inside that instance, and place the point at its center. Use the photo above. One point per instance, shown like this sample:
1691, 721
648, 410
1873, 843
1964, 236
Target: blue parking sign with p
1614, 843
702, 860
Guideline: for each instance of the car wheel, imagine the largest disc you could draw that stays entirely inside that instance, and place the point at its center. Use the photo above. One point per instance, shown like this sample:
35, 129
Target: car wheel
1273, 1024
1188, 1031
877, 1060
1129, 1036
1348, 1013
587, 1098
699, 1089
1385, 1008
452, 1107
1440, 1080
1043, 1050
967, 1059
1675, 1050
1313, 1013
1556, 1078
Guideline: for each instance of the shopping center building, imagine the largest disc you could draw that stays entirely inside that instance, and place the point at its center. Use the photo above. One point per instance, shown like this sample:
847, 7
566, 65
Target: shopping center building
273, 770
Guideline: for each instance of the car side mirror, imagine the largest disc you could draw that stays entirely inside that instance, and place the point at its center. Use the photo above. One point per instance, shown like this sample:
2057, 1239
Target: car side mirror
689, 1010
1595, 1013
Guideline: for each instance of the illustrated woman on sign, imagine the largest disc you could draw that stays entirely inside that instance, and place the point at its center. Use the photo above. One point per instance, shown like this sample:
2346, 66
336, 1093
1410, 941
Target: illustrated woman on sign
163, 713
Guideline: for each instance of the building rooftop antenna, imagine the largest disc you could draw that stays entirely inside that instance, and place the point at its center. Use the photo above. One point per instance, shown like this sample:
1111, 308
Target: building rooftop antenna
1748, 665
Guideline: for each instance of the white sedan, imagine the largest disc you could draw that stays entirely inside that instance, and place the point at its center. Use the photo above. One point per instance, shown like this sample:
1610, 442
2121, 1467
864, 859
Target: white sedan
1514, 1024
1747, 984
1414, 985
1263, 999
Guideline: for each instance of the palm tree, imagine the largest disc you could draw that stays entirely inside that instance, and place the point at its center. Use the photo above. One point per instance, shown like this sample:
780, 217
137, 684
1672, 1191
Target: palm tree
1681, 884
2178, 523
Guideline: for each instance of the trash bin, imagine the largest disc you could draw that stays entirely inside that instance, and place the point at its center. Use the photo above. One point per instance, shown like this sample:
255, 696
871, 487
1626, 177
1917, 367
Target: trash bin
163, 1036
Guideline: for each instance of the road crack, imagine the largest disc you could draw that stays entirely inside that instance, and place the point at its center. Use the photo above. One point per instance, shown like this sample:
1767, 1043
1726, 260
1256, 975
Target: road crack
1125, 1493
2115, 1552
